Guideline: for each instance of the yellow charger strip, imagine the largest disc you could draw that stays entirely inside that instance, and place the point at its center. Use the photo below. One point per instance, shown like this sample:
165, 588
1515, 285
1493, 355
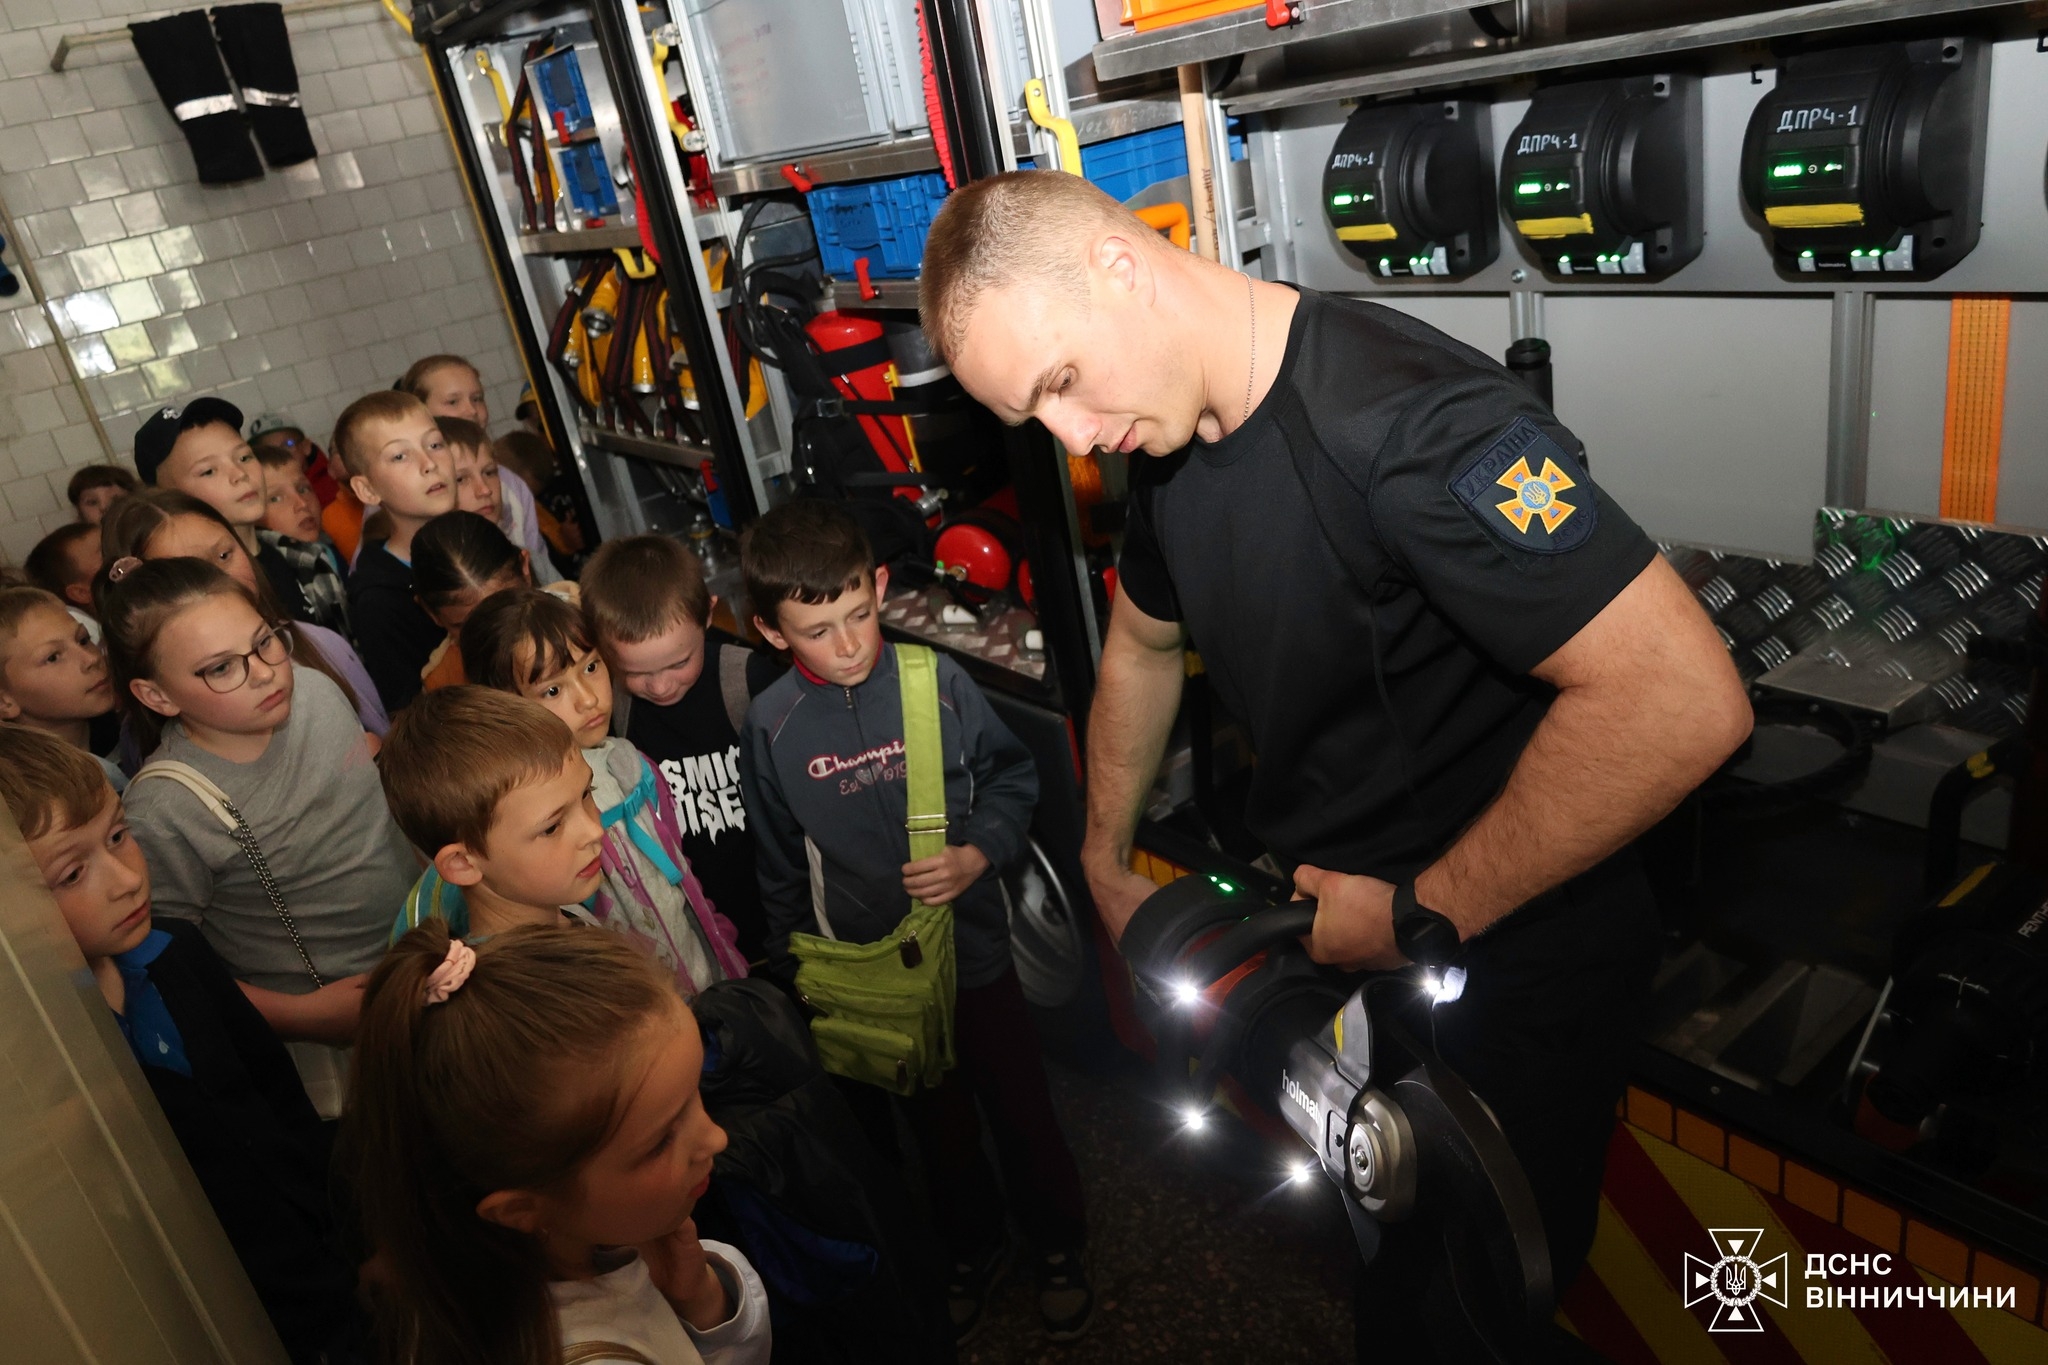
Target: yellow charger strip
1544, 228
1062, 131
1368, 232
1813, 215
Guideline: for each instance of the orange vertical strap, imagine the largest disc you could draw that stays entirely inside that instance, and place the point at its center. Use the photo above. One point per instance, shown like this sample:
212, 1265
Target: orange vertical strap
1977, 331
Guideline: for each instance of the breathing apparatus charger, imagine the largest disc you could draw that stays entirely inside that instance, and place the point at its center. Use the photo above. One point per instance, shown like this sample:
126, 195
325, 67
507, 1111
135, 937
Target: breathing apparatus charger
1408, 188
1604, 177
1871, 159
1227, 990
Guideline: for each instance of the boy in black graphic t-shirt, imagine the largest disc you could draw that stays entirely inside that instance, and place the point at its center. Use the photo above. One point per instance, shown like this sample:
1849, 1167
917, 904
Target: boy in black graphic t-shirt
682, 693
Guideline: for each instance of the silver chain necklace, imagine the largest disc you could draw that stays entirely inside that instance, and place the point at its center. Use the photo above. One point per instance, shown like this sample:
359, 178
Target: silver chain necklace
1251, 369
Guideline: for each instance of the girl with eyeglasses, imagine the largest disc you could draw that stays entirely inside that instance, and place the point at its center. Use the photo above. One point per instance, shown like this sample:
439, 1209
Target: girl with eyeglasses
283, 851
162, 523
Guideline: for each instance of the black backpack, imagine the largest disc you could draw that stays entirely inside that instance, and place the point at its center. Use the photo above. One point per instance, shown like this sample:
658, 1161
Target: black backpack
851, 1275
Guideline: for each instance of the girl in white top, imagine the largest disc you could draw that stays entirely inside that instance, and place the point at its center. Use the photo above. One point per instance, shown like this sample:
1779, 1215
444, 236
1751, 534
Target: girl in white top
530, 1145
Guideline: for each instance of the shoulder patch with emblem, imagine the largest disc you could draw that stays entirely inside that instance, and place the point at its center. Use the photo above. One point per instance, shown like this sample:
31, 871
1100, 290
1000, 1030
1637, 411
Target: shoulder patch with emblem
1529, 491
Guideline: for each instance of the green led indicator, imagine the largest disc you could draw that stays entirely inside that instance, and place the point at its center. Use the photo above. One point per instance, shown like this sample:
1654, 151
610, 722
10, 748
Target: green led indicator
1806, 255
1386, 265
1857, 252
1342, 200
1529, 187
1832, 166
1786, 169
1225, 887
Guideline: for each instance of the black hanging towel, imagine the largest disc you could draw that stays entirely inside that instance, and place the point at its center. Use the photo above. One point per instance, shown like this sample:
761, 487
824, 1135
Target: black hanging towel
179, 53
259, 54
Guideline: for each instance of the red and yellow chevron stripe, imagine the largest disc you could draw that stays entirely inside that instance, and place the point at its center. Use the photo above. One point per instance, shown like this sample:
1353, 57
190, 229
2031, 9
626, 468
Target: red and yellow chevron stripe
1673, 1175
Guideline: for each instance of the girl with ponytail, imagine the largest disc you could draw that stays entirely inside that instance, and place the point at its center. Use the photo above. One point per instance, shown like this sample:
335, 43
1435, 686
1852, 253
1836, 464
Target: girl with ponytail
458, 559
528, 1145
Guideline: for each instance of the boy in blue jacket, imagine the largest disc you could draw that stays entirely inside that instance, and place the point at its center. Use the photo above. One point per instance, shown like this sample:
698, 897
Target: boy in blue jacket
822, 765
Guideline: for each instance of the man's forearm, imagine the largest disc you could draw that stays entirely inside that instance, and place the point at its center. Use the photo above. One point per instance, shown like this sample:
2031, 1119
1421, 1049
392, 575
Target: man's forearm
1136, 696
1605, 764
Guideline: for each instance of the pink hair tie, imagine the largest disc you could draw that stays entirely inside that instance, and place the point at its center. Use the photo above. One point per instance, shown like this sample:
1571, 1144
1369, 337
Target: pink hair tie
122, 567
455, 968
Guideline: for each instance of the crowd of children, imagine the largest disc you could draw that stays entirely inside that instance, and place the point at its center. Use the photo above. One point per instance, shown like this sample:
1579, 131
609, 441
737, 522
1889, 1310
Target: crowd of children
415, 851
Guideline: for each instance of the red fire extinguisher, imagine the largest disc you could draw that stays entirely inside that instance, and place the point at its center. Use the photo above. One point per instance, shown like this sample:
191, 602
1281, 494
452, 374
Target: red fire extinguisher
857, 353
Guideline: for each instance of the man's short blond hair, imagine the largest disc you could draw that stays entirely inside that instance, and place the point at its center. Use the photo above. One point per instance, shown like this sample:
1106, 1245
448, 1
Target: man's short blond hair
1006, 230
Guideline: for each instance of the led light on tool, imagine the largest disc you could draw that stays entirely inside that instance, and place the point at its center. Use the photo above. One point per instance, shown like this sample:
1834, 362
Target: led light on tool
1193, 1119
1186, 994
1447, 985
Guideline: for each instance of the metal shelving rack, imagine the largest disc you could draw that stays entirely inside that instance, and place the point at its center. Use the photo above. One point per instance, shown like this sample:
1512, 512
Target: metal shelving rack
630, 479
1037, 664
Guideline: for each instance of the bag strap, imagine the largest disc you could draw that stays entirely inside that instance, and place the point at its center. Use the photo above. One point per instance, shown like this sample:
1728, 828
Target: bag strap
732, 683
216, 801
585, 1352
924, 755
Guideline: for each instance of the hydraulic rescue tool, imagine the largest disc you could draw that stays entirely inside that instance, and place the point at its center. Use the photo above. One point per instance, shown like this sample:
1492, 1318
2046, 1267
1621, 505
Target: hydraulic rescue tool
1229, 992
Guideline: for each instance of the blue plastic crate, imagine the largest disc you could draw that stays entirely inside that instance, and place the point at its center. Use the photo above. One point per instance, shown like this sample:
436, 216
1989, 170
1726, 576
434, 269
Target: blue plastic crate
886, 220
883, 220
1124, 166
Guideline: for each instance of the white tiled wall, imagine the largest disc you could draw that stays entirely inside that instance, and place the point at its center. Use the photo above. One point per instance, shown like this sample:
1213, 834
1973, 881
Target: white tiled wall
294, 293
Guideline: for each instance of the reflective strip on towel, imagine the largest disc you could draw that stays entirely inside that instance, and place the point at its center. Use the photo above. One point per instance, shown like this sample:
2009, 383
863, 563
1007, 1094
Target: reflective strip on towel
186, 110
271, 99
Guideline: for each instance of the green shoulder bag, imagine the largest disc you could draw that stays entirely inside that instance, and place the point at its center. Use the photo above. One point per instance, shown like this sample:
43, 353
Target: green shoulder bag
883, 1011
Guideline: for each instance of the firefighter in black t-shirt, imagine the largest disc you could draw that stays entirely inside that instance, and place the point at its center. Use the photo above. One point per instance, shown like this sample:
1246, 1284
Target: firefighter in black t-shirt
1469, 678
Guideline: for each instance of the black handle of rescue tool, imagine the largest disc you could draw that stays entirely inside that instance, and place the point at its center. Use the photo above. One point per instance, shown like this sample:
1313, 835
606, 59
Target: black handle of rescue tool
1268, 928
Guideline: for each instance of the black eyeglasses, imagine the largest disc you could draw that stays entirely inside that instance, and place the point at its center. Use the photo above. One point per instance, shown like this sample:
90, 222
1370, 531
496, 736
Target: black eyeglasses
231, 672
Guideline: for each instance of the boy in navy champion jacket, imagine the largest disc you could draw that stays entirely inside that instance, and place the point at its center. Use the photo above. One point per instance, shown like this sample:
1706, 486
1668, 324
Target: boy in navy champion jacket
822, 765
826, 761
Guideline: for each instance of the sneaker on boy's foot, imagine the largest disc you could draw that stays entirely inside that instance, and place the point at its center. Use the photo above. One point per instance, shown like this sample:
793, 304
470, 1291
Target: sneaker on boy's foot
968, 1291
1065, 1300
